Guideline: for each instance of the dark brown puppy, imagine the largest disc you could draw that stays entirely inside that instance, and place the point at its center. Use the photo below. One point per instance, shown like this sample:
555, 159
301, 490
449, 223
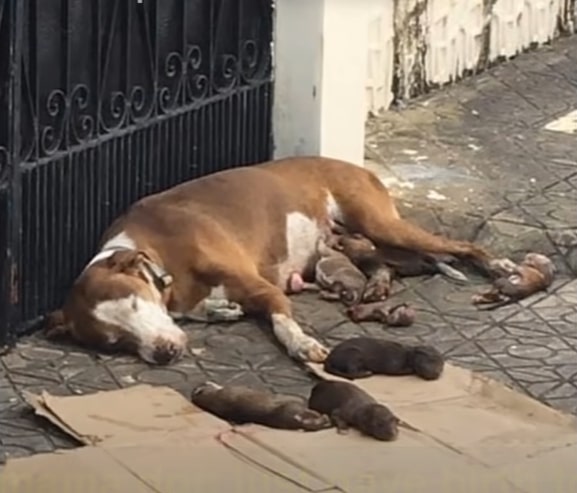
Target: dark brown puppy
351, 407
535, 273
239, 404
391, 262
361, 357
401, 315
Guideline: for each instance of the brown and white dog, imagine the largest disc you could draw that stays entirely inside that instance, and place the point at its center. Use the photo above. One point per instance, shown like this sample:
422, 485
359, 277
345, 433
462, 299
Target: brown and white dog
227, 244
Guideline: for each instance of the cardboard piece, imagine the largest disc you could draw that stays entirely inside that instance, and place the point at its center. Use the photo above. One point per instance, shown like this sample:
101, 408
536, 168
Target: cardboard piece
508, 426
356, 464
86, 470
472, 432
143, 439
481, 419
127, 416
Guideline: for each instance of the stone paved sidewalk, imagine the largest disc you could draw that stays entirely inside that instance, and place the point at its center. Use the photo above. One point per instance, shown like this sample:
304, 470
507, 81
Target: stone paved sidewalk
476, 160
473, 160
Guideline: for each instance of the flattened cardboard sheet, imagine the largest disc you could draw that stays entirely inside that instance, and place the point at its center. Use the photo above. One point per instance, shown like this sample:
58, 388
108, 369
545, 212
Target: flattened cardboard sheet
472, 432
474, 415
134, 415
143, 439
85, 470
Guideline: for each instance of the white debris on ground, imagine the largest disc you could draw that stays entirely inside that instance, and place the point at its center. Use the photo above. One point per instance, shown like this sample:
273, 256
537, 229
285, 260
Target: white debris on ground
434, 195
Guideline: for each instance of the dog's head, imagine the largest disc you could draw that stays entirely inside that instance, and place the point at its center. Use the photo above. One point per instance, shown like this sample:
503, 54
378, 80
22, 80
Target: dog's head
119, 303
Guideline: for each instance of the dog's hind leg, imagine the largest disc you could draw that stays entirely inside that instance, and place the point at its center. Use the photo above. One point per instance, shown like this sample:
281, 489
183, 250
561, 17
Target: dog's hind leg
374, 215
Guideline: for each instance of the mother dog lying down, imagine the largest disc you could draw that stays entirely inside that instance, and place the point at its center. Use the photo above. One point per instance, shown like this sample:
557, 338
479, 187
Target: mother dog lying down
226, 240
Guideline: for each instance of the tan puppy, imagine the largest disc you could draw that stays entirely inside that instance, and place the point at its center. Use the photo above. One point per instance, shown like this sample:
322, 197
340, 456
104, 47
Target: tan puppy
535, 273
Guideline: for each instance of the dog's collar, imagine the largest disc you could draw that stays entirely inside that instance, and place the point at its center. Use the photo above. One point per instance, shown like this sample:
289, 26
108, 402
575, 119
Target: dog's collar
160, 277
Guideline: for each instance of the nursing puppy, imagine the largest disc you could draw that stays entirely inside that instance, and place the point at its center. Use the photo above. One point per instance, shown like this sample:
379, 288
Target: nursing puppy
363, 253
383, 264
351, 407
516, 282
361, 357
336, 277
239, 404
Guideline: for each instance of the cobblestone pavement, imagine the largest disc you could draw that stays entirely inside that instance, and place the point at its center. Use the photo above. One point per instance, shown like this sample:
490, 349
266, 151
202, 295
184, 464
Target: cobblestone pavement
505, 181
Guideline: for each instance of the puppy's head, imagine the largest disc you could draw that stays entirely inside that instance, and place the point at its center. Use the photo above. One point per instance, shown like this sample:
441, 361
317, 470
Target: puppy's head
355, 246
427, 362
379, 422
541, 263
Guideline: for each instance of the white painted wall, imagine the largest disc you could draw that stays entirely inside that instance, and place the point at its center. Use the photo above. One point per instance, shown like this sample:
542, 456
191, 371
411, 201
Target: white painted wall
454, 39
379, 93
297, 72
321, 57
453, 36
334, 59
515, 24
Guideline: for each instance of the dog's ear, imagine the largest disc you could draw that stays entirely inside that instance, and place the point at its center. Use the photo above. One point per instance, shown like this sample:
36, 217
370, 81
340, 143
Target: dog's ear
126, 261
56, 325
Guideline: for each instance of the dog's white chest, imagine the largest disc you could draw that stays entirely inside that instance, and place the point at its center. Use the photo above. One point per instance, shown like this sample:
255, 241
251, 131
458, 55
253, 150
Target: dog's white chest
302, 236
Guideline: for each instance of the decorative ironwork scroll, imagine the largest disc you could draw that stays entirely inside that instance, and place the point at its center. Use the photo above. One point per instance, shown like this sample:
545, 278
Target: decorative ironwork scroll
119, 99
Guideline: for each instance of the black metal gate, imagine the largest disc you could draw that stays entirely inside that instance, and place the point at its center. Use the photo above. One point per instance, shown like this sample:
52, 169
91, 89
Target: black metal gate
104, 101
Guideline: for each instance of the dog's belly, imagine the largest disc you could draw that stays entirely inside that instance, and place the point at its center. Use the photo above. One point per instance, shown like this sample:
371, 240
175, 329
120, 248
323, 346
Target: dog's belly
302, 238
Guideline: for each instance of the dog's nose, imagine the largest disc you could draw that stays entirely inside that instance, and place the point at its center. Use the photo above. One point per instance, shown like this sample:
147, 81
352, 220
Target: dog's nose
165, 353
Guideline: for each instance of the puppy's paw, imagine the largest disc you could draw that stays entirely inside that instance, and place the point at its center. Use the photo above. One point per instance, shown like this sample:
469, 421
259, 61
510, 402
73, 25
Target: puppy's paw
313, 421
205, 386
502, 267
376, 291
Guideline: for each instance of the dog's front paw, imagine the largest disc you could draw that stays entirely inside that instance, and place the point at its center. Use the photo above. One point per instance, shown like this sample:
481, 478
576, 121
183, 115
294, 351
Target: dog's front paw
229, 313
310, 350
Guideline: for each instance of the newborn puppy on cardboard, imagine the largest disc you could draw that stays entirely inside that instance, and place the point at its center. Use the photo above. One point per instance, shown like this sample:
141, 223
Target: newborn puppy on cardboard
361, 357
239, 404
351, 407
